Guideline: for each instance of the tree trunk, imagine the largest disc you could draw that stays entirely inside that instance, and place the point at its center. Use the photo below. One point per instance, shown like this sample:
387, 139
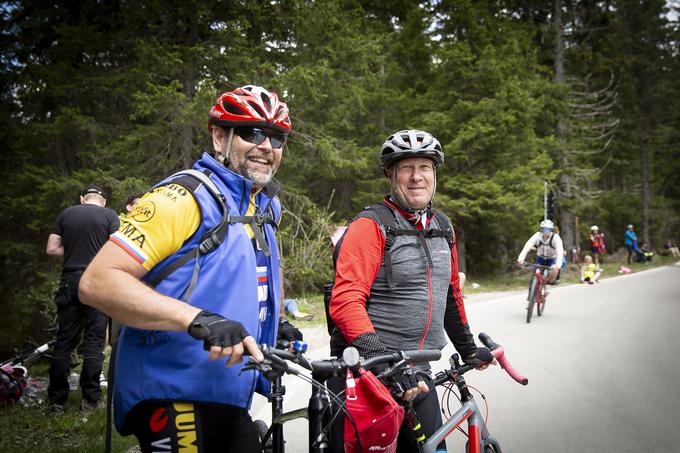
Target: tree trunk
559, 41
566, 225
644, 164
460, 248
566, 219
188, 79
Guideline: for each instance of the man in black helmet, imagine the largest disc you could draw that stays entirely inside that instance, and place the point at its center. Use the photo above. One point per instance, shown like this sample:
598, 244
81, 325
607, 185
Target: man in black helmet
396, 282
78, 234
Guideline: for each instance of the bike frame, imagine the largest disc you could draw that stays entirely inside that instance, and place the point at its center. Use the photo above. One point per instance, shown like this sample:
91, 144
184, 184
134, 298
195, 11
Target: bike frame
537, 286
318, 410
479, 436
540, 284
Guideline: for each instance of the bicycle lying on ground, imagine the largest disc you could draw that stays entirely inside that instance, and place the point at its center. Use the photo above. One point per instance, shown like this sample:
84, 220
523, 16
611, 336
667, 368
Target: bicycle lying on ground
15, 385
538, 290
318, 411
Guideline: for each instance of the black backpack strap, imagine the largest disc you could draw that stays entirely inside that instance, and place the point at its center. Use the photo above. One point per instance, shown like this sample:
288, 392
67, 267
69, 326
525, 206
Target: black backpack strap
255, 221
192, 180
385, 217
445, 227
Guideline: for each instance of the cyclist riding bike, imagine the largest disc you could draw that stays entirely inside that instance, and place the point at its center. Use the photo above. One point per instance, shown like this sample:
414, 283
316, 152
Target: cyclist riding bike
193, 274
549, 250
397, 287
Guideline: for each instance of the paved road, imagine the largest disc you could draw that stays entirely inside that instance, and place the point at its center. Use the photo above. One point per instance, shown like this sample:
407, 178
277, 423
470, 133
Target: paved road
603, 364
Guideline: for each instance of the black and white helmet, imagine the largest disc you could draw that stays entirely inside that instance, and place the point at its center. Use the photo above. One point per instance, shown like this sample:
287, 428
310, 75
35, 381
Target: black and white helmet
410, 143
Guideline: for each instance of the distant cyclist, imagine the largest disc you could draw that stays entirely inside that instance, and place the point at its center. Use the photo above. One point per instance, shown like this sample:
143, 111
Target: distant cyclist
549, 249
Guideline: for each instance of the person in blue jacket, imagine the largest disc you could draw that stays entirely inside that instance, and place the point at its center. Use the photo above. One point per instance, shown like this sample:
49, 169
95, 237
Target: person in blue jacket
179, 270
631, 241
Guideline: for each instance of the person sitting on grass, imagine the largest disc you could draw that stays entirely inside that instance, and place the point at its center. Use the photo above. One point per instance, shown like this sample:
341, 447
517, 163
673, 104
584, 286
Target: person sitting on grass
291, 307
590, 273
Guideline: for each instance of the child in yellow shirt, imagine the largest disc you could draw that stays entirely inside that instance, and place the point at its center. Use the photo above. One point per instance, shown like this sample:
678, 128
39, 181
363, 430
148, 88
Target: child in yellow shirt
589, 271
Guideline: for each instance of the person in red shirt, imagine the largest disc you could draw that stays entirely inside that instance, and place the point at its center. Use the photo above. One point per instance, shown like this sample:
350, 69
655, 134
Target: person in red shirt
406, 296
597, 247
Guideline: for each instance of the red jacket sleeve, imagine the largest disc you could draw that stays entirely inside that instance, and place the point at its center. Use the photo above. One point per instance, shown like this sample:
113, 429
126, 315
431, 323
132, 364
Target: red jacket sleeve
455, 319
359, 259
455, 285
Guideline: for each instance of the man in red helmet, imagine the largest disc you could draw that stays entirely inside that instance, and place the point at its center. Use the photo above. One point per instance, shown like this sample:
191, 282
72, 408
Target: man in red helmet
197, 260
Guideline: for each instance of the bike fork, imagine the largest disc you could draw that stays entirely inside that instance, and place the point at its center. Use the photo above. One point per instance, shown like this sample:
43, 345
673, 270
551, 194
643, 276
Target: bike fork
277, 392
318, 419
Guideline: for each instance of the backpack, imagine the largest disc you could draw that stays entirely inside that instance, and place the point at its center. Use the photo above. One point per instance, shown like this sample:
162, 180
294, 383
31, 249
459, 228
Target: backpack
192, 180
539, 243
384, 216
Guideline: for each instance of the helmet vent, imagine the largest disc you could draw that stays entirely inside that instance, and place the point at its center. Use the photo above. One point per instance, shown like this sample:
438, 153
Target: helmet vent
257, 108
231, 108
267, 101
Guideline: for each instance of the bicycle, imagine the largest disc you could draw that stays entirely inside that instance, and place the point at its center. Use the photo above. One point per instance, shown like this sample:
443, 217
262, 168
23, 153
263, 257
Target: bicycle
318, 409
538, 290
479, 438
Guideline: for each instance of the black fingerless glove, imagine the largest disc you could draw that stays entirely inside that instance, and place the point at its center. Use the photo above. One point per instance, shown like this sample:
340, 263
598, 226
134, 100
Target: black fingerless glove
369, 345
288, 332
215, 330
408, 379
481, 357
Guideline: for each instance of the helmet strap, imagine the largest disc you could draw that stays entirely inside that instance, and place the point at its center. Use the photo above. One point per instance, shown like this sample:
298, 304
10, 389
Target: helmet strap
224, 158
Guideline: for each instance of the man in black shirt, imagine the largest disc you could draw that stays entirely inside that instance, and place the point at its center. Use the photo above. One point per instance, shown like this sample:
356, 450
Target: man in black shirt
78, 234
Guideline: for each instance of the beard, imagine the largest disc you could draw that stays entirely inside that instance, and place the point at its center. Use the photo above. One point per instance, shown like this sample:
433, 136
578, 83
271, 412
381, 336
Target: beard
255, 172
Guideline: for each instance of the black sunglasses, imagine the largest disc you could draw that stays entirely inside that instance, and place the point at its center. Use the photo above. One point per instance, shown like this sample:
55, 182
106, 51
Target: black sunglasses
255, 135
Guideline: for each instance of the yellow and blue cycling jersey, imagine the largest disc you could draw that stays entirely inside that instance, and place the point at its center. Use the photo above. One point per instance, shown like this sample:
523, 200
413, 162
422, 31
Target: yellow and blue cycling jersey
161, 222
236, 280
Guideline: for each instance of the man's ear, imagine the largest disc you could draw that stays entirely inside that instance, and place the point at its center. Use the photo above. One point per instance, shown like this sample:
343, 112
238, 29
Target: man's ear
217, 137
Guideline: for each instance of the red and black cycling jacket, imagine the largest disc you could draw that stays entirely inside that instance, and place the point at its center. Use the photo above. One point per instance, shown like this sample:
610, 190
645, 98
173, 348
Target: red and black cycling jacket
356, 269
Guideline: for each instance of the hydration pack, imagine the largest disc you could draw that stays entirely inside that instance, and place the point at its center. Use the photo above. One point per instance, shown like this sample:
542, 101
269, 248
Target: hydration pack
384, 216
192, 180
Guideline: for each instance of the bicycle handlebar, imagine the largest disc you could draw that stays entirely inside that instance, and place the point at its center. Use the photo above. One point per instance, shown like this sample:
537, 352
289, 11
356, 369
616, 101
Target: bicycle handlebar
499, 353
535, 266
336, 367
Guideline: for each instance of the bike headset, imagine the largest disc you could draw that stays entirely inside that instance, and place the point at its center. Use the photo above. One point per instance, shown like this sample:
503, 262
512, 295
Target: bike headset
249, 105
410, 143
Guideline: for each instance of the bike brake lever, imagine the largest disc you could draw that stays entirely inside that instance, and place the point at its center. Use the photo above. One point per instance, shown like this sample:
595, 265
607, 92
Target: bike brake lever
392, 371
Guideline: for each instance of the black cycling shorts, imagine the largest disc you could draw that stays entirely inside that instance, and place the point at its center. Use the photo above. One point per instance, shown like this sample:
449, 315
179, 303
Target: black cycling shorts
192, 427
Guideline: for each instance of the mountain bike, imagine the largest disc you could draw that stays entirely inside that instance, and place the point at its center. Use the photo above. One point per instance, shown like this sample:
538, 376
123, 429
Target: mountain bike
538, 290
479, 438
318, 410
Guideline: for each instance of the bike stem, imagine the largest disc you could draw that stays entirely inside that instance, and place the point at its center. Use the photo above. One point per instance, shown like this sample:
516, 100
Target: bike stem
318, 417
278, 390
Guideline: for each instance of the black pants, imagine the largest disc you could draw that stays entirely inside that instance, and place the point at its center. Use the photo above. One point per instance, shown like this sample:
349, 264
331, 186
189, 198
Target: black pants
72, 316
630, 252
174, 426
425, 404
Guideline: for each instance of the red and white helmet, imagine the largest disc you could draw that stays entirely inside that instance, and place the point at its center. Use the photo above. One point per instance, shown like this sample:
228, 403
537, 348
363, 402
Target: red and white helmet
250, 105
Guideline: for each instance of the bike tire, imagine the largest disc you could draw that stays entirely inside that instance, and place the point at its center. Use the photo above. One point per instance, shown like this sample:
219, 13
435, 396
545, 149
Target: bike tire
532, 300
261, 427
541, 303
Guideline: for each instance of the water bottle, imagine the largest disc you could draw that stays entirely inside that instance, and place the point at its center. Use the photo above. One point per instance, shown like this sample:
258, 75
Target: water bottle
73, 381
